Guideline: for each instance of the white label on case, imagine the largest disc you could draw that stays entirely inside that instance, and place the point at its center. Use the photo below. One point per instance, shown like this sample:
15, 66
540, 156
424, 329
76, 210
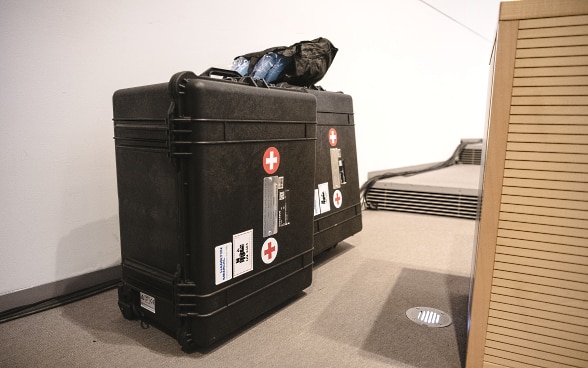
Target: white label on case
242, 248
223, 261
147, 302
324, 197
317, 209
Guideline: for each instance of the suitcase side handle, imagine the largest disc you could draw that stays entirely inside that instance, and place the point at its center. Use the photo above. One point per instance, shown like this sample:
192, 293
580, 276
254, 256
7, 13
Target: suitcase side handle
176, 87
220, 72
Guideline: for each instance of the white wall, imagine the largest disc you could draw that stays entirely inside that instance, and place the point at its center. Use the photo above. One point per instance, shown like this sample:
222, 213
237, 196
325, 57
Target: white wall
418, 79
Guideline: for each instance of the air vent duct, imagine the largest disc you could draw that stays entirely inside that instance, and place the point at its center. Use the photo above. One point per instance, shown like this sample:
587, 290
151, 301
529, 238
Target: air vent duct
448, 191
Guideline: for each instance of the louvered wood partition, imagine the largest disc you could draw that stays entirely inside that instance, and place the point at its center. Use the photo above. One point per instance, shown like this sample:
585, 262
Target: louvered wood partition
529, 306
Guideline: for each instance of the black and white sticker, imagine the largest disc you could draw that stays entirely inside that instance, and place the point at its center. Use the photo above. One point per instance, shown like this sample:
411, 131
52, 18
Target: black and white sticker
242, 248
324, 198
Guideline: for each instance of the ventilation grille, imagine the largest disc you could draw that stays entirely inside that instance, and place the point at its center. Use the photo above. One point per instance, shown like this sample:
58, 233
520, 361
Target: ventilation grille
451, 191
471, 155
440, 204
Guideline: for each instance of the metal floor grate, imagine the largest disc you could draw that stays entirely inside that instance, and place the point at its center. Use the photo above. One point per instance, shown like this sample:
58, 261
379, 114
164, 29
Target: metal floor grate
429, 317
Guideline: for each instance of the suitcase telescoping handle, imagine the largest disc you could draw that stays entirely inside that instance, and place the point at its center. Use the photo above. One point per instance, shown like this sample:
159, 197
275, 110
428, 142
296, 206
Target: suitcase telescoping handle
221, 73
234, 75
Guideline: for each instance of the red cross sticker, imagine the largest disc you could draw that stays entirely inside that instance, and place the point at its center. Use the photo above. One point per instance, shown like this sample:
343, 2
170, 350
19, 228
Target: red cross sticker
332, 137
337, 198
271, 160
269, 250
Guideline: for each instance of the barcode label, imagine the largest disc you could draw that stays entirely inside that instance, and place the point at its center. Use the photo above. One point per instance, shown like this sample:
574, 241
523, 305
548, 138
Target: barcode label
147, 302
223, 260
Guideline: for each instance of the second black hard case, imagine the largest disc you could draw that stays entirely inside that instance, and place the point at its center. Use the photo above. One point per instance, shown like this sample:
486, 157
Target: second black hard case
337, 205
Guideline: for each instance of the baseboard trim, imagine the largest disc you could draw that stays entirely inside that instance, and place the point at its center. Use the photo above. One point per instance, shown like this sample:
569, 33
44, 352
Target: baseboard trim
41, 295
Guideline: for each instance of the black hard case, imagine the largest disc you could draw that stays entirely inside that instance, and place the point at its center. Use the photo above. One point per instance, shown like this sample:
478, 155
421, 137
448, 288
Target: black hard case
335, 111
190, 177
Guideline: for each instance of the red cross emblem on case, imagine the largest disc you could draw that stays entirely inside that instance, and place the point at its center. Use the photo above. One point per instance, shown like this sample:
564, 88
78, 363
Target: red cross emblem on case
271, 160
269, 250
332, 137
337, 198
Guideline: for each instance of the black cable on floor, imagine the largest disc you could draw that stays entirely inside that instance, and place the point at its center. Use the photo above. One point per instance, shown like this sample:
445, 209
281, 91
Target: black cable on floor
27, 310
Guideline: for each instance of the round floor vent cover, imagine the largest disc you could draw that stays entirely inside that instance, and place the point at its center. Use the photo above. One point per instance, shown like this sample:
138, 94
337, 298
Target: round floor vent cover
429, 317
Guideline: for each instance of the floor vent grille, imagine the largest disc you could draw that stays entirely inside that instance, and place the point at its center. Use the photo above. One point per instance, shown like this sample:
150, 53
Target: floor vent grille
429, 317
451, 191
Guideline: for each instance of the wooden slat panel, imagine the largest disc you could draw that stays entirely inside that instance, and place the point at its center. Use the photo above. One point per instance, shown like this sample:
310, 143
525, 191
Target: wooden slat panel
495, 365
552, 52
538, 333
549, 110
549, 119
580, 306
537, 351
554, 21
550, 100
500, 362
551, 72
548, 147
521, 356
546, 184
574, 272
549, 157
546, 193
551, 61
543, 237
539, 321
545, 220
550, 129
538, 313
504, 51
546, 175
544, 229
547, 202
551, 91
550, 290
552, 42
546, 138
576, 30
534, 308
554, 252
541, 209
550, 166
551, 81
526, 10
535, 271
565, 262
539, 342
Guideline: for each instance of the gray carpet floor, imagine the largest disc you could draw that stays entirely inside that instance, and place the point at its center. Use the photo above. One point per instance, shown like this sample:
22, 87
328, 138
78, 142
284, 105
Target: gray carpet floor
353, 314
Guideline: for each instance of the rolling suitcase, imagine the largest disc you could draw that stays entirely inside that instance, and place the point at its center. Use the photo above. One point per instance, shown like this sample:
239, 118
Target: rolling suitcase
215, 225
337, 205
